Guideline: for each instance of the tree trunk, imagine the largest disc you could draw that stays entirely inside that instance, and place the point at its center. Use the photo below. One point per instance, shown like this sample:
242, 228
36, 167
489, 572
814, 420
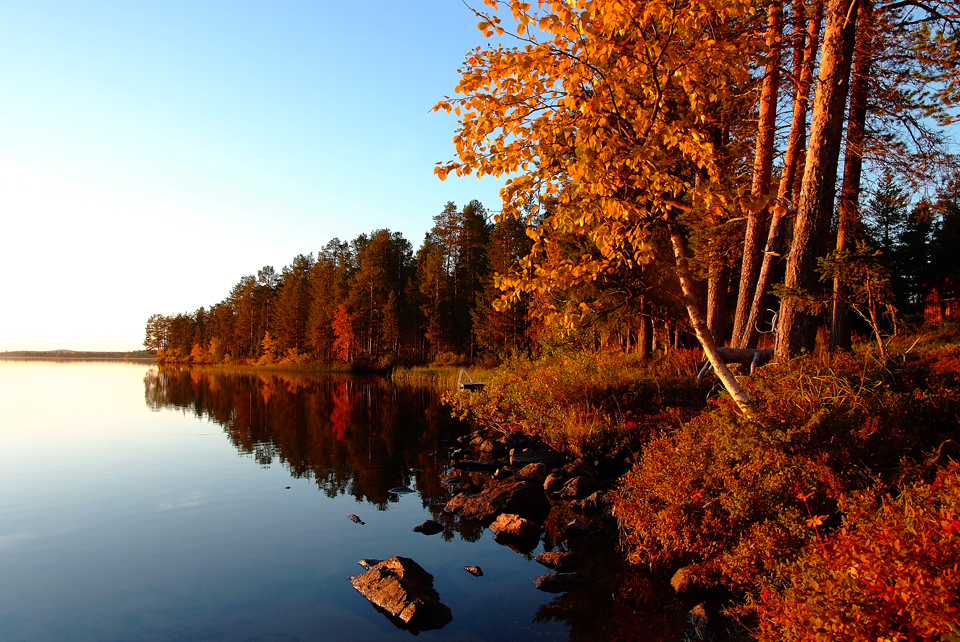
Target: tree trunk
758, 221
849, 219
646, 329
699, 323
804, 57
717, 288
796, 331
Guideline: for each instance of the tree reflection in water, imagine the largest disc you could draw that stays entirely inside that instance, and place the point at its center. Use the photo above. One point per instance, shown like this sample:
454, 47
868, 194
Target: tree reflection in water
352, 435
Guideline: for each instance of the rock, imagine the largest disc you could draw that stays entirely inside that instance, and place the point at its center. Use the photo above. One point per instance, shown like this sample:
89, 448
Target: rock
558, 561
356, 520
429, 527
520, 498
405, 591
369, 562
515, 526
579, 487
502, 473
521, 457
578, 528
459, 453
683, 579
476, 441
590, 504
698, 616
488, 465
491, 446
453, 480
401, 490
576, 468
416, 470
532, 472
558, 582
476, 571
554, 483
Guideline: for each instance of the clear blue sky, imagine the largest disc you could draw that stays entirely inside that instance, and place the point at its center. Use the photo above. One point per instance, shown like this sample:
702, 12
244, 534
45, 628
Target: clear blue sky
153, 153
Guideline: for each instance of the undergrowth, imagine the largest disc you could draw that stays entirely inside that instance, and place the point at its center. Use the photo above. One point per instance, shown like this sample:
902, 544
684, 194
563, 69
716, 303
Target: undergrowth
591, 404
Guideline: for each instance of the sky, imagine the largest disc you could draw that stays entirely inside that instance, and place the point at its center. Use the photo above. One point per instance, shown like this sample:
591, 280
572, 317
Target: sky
151, 154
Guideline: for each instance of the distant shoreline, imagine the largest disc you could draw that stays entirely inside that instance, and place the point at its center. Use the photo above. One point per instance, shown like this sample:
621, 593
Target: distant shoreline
133, 355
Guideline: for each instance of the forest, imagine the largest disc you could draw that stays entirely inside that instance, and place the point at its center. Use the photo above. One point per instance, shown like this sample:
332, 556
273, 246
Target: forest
374, 299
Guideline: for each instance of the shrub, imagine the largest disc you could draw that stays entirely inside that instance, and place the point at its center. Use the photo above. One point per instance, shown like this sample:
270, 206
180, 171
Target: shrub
735, 494
892, 575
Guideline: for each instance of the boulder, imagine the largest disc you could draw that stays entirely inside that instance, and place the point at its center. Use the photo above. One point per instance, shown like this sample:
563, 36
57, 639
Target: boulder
515, 526
579, 488
404, 590
558, 561
520, 498
684, 579
532, 472
429, 527
554, 483
558, 582
491, 446
476, 571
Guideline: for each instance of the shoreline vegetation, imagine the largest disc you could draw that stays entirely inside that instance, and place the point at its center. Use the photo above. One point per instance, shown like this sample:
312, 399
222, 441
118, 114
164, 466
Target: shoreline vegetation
835, 505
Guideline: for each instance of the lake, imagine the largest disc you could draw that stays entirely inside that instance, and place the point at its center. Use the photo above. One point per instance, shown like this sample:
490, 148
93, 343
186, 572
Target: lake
139, 503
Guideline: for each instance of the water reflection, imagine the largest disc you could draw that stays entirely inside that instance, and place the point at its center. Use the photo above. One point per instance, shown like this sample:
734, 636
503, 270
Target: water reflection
362, 437
353, 436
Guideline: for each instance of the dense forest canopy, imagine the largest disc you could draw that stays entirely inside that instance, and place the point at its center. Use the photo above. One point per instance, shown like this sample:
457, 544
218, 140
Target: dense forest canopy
711, 170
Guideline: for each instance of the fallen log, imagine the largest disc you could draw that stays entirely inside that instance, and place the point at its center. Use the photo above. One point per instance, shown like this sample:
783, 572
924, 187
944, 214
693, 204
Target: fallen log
755, 358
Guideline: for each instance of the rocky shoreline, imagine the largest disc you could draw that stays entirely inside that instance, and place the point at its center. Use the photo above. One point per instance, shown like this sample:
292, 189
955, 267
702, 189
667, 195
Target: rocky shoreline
510, 484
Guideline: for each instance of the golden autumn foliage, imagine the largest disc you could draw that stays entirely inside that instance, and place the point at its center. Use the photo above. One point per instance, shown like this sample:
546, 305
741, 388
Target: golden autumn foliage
608, 112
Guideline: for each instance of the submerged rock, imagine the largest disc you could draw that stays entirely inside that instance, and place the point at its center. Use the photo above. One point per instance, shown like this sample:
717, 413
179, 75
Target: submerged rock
429, 527
356, 520
559, 582
404, 590
475, 464
521, 498
558, 561
401, 490
476, 571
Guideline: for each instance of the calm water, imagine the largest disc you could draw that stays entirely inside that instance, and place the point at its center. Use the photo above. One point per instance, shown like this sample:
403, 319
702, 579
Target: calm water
138, 504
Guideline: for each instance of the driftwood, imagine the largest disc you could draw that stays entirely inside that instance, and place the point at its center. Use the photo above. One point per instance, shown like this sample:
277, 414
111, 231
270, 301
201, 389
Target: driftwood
755, 358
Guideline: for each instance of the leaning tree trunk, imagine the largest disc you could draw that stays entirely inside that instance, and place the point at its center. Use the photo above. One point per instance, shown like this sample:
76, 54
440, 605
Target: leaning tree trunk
758, 221
804, 57
699, 322
797, 330
849, 219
